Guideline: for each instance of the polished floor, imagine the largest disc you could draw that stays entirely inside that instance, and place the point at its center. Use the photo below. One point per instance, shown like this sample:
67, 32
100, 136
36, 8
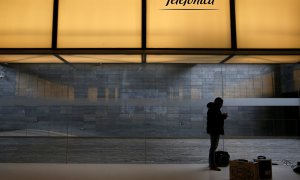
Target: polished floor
125, 172
139, 151
70, 158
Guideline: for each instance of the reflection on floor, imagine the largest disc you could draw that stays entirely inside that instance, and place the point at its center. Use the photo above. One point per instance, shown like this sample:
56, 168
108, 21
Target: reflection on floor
124, 172
138, 151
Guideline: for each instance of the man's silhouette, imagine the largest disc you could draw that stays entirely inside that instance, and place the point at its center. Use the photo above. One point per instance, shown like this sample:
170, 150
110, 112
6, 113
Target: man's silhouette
215, 127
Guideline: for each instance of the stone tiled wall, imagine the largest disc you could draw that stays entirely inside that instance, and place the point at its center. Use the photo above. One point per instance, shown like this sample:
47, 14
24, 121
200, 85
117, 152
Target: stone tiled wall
134, 100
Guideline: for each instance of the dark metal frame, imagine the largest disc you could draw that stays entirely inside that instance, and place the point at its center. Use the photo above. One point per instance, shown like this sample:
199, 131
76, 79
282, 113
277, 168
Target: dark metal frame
144, 51
144, 30
55, 24
233, 25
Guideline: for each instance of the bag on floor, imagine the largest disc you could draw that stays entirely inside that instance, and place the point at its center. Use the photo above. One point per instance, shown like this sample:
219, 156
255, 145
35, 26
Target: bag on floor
222, 158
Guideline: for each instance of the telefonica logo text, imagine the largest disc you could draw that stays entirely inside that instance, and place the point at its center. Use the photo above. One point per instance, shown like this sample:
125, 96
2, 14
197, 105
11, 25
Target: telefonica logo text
187, 2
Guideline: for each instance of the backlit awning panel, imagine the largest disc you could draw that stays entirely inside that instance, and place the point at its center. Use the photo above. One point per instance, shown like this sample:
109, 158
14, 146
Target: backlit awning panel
99, 24
26, 23
268, 23
189, 26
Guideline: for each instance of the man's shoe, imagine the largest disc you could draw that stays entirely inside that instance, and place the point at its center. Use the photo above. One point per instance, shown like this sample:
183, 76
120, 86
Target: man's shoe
214, 168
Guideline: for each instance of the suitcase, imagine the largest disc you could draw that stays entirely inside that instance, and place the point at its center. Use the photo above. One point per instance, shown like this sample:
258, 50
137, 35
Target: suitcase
222, 158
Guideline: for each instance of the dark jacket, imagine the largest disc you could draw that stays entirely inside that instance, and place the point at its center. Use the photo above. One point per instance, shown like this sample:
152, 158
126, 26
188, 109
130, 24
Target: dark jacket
215, 119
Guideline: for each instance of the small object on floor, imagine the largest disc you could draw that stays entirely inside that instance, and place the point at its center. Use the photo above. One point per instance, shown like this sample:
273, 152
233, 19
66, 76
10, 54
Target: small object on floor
264, 167
297, 168
214, 168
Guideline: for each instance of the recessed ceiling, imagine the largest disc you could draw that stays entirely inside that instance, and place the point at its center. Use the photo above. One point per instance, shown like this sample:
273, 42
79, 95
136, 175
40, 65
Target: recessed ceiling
29, 59
264, 59
185, 58
119, 58
102, 58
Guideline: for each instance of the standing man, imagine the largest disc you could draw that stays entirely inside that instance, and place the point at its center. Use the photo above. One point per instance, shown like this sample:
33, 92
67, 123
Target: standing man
215, 127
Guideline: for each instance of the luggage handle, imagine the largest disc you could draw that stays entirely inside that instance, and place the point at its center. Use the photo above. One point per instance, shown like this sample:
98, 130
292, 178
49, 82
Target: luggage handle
223, 142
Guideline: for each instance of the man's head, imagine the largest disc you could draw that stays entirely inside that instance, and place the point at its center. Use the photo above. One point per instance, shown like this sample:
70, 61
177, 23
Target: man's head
219, 102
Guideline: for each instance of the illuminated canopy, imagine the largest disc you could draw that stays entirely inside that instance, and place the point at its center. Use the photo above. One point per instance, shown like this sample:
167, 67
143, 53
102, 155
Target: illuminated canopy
146, 30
